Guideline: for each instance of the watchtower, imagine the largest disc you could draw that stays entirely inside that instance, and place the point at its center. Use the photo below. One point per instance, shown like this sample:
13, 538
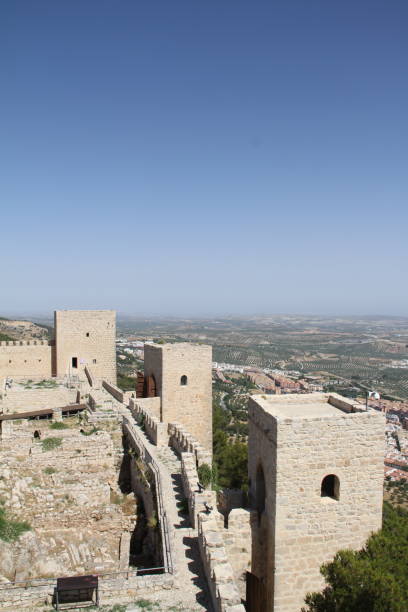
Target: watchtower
85, 338
180, 374
316, 477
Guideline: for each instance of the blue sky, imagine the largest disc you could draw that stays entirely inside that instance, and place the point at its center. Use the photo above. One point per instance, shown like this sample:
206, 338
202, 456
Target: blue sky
181, 157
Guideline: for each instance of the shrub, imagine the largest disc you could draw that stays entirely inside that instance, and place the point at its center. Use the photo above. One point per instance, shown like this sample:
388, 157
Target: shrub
51, 443
205, 475
49, 470
11, 530
89, 432
58, 425
152, 521
145, 604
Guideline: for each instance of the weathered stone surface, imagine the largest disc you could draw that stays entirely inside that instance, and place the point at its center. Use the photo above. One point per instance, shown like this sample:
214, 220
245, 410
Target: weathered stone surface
294, 443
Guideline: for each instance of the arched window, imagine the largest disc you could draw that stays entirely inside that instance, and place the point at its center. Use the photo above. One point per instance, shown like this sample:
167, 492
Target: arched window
37, 434
183, 380
260, 492
330, 487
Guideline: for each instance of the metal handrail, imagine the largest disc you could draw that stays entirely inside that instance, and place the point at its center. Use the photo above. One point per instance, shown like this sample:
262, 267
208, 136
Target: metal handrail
162, 512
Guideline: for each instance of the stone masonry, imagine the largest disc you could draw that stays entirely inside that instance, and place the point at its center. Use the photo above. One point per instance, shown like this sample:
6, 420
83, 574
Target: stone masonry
182, 374
86, 338
82, 338
294, 443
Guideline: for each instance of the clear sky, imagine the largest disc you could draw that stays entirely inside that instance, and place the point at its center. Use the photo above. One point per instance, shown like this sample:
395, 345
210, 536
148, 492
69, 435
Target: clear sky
223, 156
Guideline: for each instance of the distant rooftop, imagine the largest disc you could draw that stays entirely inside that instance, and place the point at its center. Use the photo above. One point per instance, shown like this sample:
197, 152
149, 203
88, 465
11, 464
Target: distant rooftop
307, 406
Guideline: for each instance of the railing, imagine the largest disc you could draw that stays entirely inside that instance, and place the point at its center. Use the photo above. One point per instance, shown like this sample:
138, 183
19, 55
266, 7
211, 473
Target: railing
40, 582
148, 459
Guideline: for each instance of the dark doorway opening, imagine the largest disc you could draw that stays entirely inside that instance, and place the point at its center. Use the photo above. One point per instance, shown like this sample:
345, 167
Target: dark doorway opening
75, 362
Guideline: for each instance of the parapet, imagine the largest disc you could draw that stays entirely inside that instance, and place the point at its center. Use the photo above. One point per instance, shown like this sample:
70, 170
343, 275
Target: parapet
11, 343
197, 500
218, 570
313, 406
183, 442
142, 411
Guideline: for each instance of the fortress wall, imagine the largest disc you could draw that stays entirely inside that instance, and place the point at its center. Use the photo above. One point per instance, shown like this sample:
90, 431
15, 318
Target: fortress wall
89, 336
237, 541
217, 568
96, 449
183, 442
141, 411
113, 390
37, 399
196, 499
26, 359
123, 588
148, 405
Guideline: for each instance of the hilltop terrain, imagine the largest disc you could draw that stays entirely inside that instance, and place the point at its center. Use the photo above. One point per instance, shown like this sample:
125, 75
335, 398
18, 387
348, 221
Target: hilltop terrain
22, 330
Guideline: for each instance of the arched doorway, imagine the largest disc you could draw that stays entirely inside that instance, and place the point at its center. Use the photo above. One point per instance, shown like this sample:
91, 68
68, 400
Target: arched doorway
149, 386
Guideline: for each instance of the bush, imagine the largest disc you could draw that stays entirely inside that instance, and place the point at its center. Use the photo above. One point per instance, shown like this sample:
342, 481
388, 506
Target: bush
49, 470
11, 530
89, 432
152, 521
58, 425
51, 443
205, 475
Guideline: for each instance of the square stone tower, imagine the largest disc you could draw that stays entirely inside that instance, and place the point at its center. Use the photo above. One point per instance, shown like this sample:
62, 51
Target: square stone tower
180, 373
316, 480
85, 338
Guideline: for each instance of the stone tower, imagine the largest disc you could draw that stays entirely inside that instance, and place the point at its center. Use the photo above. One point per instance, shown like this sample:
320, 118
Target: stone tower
85, 338
180, 374
316, 476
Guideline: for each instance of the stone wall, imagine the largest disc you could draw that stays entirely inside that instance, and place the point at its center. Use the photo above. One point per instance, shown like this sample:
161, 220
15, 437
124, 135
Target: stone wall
69, 495
218, 570
237, 541
197, 500
89, 336
183, 442
25, 400
294, 443
113, 390
26, 359
142, 410
123, 588
189, 403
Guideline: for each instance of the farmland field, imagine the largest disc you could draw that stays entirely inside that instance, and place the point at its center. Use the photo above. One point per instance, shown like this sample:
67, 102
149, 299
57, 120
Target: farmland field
355, 350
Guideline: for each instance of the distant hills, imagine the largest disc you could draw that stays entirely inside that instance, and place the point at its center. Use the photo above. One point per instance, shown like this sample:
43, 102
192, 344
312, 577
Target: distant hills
23, 330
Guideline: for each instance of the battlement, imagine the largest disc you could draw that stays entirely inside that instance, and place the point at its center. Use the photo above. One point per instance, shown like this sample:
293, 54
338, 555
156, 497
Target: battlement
143, 411
183, 442
11, 343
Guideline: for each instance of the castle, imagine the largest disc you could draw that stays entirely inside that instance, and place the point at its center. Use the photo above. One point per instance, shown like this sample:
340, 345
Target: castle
82, 338
315, 465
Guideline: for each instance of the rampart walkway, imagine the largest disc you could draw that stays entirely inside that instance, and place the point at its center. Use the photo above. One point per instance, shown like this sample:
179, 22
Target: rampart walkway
190, 583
